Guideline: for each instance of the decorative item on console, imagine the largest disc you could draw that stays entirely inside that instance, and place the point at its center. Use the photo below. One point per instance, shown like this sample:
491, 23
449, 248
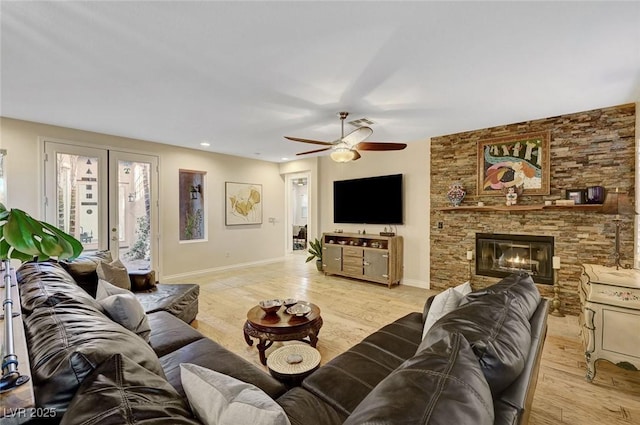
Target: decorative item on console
618, 204
456, 193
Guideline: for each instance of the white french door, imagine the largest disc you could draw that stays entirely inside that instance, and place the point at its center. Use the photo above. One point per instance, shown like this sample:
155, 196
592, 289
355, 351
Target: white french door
104, 198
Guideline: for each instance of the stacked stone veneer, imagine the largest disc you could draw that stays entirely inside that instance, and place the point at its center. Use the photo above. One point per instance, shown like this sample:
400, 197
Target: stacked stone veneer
593, 148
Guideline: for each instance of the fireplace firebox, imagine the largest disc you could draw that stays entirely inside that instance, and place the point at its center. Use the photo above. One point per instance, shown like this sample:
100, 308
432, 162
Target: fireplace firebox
499, 255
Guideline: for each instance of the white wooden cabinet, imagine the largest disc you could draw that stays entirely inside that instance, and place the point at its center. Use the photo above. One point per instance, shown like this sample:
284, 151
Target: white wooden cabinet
610, 316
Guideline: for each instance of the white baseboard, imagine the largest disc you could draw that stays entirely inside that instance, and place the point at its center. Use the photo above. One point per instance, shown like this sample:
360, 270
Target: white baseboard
181, 276
416, 283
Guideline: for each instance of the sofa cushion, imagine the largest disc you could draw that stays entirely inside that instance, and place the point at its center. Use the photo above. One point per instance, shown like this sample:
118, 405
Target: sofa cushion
121, 392
47, 284
115, 273
181, 300
362, 367
521, 286
499, 335
299, 404
441, 385
207, 353
126, 310
168, 333
219, 399
83, 269
68, 341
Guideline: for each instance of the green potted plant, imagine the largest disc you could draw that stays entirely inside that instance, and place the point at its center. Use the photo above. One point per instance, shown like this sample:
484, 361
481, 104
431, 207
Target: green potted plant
24, 238
315, 251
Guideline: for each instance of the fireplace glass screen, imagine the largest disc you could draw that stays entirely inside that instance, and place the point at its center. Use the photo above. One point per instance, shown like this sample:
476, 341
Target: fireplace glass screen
499, 255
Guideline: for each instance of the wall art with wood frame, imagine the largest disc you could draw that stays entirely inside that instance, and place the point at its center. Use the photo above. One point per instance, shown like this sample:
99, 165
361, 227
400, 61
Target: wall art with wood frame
520, 161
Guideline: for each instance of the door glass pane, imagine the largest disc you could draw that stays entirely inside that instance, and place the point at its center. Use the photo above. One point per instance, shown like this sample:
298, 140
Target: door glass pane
77, 196
134, 214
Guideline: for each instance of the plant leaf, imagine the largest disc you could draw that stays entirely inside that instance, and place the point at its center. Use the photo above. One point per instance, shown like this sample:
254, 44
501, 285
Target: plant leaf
30, 238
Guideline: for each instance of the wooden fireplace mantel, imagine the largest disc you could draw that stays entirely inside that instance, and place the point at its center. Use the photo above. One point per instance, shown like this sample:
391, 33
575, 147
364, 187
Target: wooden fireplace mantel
521, 208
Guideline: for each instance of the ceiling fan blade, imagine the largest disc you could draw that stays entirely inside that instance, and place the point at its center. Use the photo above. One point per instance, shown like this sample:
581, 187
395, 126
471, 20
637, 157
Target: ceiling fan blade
380, 146
357, 135
315, 142
313, 151
357, 155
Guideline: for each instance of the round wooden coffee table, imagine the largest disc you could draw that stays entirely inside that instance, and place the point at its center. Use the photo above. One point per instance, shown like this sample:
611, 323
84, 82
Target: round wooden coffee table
281, 326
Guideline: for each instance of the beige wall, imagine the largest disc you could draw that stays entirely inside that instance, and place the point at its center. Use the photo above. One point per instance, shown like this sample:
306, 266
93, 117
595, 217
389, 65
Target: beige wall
413, 163
234, 245
225, 247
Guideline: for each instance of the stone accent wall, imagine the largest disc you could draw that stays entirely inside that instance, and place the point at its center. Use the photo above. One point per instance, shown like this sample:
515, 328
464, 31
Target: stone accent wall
593, 148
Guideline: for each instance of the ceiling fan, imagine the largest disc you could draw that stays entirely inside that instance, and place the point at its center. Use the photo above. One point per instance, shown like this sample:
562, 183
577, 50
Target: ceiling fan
346, 148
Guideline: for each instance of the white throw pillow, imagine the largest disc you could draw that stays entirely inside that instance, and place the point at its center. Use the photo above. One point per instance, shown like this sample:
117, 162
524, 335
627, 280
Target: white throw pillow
126, 310
463, 288
220, 399
446, 301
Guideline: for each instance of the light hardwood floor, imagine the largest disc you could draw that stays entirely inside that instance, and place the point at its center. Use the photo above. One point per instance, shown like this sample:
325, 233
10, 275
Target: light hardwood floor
351, 310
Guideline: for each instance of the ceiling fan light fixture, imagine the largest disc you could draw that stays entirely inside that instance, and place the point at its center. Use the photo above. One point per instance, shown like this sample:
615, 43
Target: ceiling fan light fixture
343, 154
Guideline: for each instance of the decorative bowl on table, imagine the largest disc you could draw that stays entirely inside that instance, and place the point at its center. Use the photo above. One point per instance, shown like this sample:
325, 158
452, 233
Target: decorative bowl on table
270, 306
289, 302
299, 310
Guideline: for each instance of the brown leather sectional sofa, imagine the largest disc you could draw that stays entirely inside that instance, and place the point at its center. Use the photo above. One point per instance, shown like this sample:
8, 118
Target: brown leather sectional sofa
478, 363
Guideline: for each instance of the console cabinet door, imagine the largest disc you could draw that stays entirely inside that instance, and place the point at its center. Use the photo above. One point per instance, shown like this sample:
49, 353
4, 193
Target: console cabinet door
331, 258
376, 265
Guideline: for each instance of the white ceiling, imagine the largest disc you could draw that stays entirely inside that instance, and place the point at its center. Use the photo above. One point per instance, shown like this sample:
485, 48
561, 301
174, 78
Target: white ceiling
241, 75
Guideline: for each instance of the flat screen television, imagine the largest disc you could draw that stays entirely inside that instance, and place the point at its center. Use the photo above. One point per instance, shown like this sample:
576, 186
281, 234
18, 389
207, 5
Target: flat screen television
370, 200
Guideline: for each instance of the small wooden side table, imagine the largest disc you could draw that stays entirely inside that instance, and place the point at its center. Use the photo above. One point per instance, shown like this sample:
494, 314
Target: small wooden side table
281, 326
610, 316
292, 363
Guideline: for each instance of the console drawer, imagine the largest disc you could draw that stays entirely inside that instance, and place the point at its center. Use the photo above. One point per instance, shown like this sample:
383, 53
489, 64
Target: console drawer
349, 251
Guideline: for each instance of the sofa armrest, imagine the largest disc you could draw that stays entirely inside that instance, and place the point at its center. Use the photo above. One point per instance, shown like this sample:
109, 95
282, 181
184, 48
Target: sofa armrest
519, 395
427, 306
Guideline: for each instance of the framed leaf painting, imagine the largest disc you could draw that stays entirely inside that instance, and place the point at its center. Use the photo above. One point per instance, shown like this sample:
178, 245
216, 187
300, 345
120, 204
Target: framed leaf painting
243, 203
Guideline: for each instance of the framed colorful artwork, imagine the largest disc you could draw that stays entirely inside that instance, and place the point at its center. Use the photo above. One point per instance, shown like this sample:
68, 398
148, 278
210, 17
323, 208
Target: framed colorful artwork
520, 161
243, 203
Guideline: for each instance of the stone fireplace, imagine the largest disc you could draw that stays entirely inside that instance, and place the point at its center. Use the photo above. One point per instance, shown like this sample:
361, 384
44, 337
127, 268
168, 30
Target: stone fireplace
499, 255
589, 148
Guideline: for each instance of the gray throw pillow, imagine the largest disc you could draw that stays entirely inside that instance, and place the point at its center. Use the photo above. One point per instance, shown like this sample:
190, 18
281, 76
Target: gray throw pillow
220, 399
105, 289
126, 310
115, 273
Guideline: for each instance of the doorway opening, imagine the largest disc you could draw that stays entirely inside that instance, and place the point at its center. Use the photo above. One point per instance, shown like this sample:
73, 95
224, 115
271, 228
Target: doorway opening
298, 207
